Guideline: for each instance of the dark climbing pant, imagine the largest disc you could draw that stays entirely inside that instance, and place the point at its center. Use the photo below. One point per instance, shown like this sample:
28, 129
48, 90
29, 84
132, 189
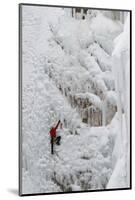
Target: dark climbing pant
52, 143
57, 141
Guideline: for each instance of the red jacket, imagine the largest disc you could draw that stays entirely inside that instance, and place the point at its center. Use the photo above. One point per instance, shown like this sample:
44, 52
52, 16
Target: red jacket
53, 130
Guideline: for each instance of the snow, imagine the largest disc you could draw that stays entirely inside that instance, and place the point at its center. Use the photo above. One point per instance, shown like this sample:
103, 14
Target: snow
121, 171
104, 26
70, 74
111, 97
123, 40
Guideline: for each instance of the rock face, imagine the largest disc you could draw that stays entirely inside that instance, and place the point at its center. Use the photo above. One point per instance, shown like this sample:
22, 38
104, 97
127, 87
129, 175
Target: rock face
90, 114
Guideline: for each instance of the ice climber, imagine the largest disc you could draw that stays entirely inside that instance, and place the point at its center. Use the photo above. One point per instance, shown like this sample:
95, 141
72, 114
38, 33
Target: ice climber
55, 137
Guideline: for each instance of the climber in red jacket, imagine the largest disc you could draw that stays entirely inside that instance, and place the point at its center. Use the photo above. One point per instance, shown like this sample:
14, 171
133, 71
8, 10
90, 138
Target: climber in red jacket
54, 137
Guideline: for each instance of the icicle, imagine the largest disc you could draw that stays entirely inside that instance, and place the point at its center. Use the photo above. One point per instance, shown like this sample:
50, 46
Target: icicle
92, 116
88, 116
119, 85
100, 118
104, 107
